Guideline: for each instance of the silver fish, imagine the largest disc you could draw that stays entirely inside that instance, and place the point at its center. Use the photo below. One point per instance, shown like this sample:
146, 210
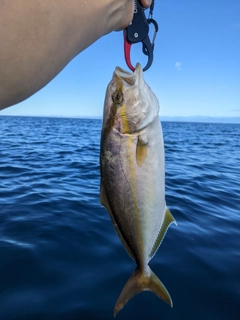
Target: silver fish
133, 177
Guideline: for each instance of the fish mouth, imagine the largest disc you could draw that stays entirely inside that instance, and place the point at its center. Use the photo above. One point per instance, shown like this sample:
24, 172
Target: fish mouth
129, 78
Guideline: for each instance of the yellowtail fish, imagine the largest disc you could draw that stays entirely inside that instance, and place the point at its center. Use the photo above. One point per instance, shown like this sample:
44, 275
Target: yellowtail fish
133, 177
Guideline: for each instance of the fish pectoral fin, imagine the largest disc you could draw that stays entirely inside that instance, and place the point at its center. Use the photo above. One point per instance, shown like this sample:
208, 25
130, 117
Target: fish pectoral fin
141, 150
140, 281
104, 202
168, 219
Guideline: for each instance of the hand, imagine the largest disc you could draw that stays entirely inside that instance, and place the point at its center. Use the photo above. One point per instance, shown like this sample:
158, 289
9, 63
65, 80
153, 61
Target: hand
146, 3
127, 12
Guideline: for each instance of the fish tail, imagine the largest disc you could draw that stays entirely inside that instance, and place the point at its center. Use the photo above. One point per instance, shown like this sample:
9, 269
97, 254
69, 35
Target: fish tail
142, 281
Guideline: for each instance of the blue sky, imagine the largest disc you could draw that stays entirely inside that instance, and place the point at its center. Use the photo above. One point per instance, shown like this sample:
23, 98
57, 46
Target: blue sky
196, 67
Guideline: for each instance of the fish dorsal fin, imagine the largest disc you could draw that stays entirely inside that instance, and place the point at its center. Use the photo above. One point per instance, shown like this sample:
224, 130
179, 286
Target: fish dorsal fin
141, 151
105, 203
168, 219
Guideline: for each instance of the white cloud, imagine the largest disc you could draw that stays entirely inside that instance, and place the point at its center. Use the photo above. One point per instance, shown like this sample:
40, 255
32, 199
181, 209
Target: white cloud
178, 65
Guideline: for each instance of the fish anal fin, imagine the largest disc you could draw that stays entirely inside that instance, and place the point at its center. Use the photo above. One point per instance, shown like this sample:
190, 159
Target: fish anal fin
104, 202
142, 281
168, 219
141, 150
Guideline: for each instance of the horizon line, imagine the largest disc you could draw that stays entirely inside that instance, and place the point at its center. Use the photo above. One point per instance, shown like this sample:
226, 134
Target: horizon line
206, 119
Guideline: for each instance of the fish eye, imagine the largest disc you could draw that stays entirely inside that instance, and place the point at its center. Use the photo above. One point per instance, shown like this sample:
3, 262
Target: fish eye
117, 97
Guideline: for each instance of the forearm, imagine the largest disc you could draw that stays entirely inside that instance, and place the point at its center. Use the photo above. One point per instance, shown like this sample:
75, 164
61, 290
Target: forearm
39, 37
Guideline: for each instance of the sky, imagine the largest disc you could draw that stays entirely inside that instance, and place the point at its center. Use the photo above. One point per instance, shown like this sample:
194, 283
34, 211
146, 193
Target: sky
195, 71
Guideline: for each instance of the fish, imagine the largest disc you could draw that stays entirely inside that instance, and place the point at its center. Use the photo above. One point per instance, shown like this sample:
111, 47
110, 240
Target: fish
132, 167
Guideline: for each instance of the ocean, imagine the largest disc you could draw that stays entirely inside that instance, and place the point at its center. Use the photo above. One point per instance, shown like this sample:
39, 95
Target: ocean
59, 255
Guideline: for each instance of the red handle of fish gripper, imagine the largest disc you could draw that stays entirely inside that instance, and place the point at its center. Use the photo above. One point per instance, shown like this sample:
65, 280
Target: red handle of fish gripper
127, 49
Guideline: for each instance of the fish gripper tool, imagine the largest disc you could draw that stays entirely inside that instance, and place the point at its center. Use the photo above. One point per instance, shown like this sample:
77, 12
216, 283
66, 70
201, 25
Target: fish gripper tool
138, 31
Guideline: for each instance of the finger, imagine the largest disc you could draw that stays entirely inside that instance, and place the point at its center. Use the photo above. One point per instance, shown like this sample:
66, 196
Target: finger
146, 3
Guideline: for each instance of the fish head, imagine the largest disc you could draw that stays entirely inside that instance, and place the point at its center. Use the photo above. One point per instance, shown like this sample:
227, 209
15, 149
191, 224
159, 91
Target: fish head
130, 104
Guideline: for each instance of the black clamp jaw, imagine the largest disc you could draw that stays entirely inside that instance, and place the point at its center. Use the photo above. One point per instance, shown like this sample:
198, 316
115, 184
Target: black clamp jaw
138, 31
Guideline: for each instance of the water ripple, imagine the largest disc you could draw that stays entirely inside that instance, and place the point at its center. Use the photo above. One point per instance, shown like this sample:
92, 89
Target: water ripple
57, 245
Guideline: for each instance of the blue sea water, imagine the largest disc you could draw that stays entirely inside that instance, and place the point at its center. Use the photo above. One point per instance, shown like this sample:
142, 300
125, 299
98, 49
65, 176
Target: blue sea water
59, 255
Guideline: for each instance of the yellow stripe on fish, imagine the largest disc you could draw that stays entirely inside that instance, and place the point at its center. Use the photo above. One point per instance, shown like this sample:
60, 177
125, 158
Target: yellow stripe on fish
132, 167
